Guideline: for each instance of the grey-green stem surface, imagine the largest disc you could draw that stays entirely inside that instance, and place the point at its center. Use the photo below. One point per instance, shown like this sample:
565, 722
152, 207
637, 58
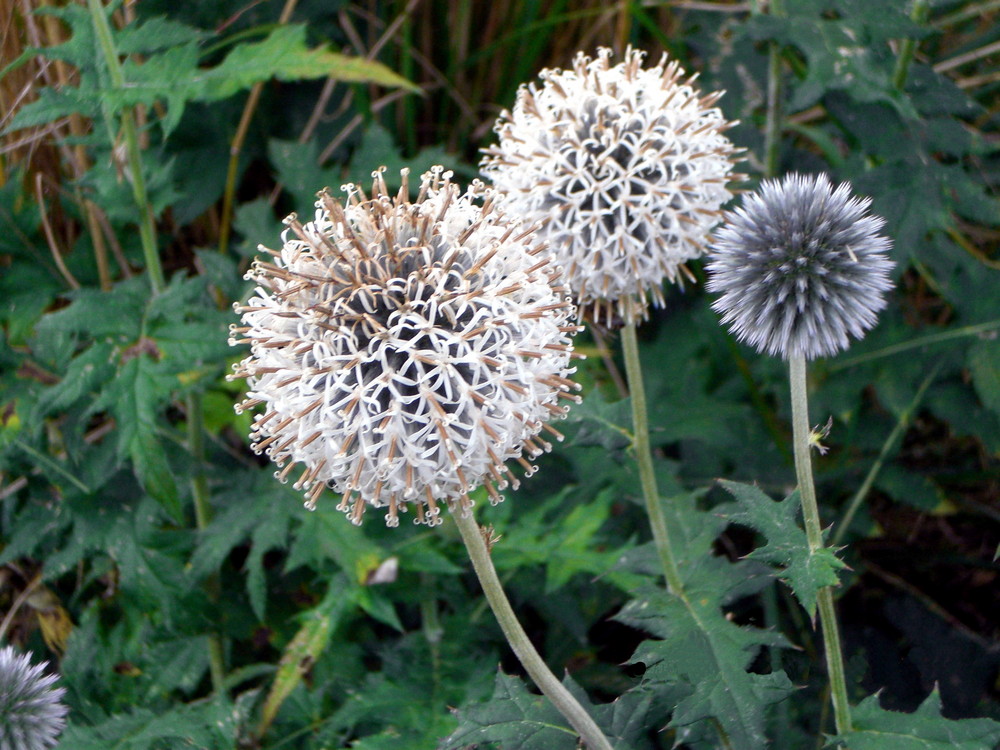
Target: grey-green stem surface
644, 459
530, 659
814, 535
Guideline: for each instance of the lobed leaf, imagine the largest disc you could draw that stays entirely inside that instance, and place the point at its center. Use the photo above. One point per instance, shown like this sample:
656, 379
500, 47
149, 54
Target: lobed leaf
698, 660
804, 569
875, 728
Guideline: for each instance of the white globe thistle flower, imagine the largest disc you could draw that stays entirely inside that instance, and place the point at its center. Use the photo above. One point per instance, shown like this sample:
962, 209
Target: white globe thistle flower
801, 267
32, 715
404, 351
626, 169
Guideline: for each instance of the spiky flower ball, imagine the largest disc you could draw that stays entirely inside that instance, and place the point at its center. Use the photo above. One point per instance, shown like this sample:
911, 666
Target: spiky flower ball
404, 351
32, 715
625, 166
801, 267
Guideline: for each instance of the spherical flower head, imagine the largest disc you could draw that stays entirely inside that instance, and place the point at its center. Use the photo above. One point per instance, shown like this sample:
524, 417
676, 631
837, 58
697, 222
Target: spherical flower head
625, 167
404, 351
31, 713
801, 267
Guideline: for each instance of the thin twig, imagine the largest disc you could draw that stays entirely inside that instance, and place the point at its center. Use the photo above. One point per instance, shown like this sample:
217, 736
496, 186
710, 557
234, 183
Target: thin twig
50, 236
897, 432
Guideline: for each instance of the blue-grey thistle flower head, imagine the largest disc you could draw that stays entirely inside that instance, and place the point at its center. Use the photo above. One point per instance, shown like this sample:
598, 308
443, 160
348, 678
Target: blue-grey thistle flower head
31, 712
801, 267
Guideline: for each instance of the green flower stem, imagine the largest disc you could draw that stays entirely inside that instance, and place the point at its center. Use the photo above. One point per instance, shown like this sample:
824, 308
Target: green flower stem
644, 457
917, 343
202, 515
147, 237
814, 535
533, 664
919, 13
147, 228
897, 432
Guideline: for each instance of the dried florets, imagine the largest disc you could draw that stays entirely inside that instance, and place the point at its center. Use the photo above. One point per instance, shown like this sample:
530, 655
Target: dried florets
801, 267
626, 168
403, 351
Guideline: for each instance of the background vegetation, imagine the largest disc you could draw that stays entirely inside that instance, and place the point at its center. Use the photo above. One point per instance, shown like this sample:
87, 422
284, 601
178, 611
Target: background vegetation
186, 597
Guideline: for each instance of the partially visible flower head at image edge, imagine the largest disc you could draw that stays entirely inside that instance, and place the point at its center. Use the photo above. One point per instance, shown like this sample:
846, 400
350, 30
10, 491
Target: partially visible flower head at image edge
403, 352
32, 715
801, 267
625, 167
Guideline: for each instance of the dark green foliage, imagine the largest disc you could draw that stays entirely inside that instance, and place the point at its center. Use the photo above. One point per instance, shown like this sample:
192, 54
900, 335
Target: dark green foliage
805, 570
378, 639
924, 729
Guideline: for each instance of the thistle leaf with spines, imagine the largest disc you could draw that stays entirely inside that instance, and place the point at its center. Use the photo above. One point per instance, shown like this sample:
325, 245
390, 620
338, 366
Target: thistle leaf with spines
875, 728
699, 658
805, 570
515, 719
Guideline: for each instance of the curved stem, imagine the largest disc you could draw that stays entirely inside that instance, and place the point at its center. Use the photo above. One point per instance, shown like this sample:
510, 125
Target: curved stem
533, 664
644, 457
814, 535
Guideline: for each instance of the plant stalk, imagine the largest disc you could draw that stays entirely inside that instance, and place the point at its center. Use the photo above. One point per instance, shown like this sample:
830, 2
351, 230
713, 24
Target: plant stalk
147, 227
919, 13
644, 458
814, 535
532, 662
897, 432
202, 515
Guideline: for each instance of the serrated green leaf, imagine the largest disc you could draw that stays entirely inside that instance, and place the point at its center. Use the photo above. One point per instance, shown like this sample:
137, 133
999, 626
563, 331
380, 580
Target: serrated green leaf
847, 51
601, 423
255, 220
699, 661
285, 56
324, 535
135, 397
378, 149
151, 562
255, 507
208, 724
152, 469
97, 314
180, 665
875, 728
172, 74
806, 571
307, 645
302, 176
516, 719
564, 546
513, 718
